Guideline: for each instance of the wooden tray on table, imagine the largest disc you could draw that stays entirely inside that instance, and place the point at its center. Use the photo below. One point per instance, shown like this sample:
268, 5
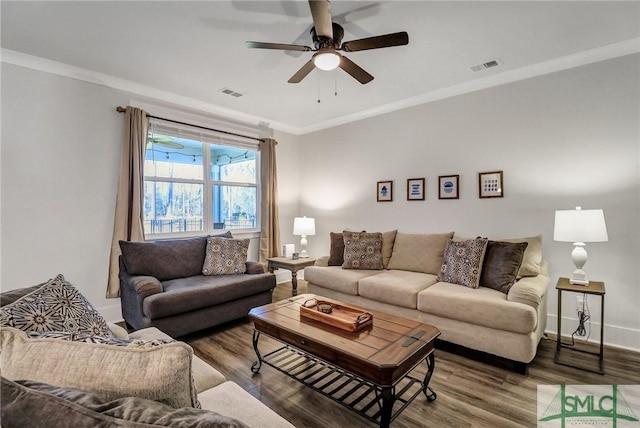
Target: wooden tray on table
336, 314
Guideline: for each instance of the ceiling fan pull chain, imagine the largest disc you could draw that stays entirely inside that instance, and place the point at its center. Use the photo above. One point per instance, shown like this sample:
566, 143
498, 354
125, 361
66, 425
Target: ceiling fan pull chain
318, 74
335, 88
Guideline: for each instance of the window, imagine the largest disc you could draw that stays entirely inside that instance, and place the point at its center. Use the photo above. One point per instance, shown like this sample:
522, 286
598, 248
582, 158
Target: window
198, 182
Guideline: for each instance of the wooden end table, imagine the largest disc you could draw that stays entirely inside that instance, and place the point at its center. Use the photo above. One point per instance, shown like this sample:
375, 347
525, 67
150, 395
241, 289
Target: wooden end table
369, 371
595, 288
293, 265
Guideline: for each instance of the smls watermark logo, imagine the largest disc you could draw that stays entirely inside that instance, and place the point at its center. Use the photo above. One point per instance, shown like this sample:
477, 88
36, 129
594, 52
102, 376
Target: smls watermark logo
616, 406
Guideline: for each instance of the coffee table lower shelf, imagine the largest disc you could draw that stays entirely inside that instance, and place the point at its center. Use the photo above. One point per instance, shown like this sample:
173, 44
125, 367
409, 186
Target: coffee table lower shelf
353, 392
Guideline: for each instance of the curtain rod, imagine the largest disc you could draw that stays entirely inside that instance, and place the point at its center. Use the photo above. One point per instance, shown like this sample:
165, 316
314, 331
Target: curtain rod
122, 110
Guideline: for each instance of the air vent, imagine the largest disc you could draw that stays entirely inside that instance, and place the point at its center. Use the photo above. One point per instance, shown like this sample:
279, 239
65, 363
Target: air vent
230, 92
489, 64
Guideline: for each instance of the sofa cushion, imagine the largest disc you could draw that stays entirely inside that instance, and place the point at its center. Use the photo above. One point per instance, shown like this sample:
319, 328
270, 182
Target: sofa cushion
532, 259
170, 259
396, 287
462, 262
225, 256
480, 306
502, 262
24, 402
231, 400
161, 373
54, 306
362, 250
336, 278
204, 375
188, 294
336, 250
419, 252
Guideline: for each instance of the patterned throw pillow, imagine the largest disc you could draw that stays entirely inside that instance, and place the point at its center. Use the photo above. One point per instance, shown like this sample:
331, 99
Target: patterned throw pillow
55, 306
362, 250
462, 262
225, 256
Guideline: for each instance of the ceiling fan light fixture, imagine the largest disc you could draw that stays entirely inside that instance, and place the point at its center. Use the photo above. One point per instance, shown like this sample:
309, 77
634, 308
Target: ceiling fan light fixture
326, 60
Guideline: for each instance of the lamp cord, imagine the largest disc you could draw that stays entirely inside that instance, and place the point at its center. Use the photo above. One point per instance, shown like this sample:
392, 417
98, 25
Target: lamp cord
583, 317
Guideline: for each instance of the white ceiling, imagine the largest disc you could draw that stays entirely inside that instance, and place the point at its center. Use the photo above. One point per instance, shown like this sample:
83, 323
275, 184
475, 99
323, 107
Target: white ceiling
188, 51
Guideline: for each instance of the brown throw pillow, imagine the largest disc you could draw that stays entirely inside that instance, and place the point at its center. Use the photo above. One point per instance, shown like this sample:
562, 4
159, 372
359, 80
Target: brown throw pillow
502, 262
336, 253
362, 250
462, 262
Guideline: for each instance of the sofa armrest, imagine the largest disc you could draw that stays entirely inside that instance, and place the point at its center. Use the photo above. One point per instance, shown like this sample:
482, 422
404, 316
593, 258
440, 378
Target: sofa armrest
254, 268
530, 290
322, 261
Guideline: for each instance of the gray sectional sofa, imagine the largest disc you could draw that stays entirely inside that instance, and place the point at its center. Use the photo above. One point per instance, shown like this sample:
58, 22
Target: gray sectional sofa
507, 322
162, 285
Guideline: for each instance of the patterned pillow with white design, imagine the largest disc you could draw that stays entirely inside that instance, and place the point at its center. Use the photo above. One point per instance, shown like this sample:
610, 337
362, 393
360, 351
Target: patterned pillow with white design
55, 306
462, 262
225, 256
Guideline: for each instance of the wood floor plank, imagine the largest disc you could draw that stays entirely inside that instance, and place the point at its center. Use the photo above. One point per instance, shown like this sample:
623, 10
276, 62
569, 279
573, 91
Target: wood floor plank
471, 393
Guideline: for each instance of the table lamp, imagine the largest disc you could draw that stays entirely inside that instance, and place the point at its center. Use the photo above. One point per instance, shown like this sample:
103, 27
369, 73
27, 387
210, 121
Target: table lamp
304, 226
579, 226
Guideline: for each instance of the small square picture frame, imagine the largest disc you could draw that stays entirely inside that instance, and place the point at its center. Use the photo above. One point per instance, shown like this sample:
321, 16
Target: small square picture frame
415, 189
449, 187
384, 191
490, 185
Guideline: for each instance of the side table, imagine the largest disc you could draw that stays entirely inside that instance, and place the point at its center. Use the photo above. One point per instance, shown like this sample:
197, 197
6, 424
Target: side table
293, 265
595, 288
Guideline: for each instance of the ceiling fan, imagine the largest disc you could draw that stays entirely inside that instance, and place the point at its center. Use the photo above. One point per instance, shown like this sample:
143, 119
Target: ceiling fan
165, 141
327, 36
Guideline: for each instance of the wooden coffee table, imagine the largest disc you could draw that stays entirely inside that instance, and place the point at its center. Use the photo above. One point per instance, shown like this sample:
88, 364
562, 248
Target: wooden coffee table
368, 371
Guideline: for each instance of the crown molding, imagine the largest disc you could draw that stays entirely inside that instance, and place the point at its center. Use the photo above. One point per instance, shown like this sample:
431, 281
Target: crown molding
590, 56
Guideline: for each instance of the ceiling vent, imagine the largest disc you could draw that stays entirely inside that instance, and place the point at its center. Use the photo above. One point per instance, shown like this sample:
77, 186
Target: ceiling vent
489, 64
230, 92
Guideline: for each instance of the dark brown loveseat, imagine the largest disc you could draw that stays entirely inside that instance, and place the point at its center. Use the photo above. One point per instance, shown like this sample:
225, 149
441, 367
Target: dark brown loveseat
162, 285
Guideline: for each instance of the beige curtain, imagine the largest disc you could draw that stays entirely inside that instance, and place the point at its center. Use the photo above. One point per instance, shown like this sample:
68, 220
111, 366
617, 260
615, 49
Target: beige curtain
269, 226
128, 224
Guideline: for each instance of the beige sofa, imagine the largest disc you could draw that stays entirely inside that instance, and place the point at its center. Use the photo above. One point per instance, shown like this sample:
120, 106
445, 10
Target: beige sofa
509, 325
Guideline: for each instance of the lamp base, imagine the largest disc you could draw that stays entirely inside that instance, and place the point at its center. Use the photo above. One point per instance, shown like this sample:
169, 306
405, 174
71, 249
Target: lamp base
579, 278
304, 254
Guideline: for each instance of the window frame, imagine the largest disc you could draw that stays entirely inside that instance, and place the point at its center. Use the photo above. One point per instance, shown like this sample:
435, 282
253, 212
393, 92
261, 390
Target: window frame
208, 139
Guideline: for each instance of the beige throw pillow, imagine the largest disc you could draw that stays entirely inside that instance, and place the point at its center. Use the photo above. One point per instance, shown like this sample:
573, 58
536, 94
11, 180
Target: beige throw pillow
388, 239
418, 252
532, 260
161, 373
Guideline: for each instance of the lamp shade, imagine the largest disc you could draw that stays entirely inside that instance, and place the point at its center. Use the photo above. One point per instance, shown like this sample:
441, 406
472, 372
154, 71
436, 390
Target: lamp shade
580, 226
304, 226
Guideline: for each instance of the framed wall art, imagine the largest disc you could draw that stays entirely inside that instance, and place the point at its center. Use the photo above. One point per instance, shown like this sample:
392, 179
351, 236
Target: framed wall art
448, 187
385, 191
415, 189
490, 184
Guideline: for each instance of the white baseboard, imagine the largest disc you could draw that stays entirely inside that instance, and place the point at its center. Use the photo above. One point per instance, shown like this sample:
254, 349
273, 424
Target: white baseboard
616, 336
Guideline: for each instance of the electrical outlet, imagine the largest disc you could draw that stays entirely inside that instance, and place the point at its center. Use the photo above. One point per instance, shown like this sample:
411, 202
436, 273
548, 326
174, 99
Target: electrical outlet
580, 303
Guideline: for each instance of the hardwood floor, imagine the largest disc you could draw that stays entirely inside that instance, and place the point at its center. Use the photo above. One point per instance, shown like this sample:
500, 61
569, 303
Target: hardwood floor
471, 393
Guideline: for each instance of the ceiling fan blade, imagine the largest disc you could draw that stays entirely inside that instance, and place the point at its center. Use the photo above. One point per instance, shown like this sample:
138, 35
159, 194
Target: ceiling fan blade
302, 73
321, 13
376, 42
278, 46
355, 70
